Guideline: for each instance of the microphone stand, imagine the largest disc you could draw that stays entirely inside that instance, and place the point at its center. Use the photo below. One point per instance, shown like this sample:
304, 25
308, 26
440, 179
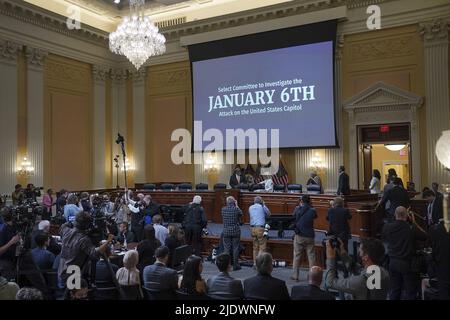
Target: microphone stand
120, 140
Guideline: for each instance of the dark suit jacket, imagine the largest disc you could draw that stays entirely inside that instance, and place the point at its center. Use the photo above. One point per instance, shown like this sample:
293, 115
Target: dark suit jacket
234, 182
397, 196
310, 292
103, 274
129, 235
437, 211
158, 277
343, 184
224, 286
265, 287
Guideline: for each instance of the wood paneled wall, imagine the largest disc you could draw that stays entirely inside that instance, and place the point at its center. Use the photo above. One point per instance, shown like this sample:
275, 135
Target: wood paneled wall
169, 107
68, 116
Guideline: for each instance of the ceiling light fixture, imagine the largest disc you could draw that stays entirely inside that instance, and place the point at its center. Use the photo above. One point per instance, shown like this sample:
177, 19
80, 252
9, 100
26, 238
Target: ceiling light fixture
395, 147
137, 38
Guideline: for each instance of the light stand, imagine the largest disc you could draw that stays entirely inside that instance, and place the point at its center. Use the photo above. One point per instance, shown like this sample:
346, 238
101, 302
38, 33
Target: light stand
121, 140
116, 161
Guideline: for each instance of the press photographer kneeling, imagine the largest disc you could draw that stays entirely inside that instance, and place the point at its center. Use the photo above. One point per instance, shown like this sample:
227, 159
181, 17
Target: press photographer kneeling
371, 252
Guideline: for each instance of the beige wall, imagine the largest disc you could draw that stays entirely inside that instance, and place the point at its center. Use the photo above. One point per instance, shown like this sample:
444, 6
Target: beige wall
380, 154
394, 56
67, 123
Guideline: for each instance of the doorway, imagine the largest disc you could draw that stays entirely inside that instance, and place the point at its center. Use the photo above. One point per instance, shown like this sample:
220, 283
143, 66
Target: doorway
383, 148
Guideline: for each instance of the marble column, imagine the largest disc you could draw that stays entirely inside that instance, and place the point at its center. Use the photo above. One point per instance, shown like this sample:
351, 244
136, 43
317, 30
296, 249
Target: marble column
8, 115
436, 42
139, 126
100, 75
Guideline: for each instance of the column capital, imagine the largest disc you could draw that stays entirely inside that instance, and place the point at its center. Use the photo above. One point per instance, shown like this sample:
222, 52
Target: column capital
9, 50
139, 76
119, 75
100, 73
36, 57
435, 31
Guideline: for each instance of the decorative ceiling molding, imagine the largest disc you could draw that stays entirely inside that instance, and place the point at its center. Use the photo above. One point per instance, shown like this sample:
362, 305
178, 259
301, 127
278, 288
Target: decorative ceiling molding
48, 20
9, 50
436, 30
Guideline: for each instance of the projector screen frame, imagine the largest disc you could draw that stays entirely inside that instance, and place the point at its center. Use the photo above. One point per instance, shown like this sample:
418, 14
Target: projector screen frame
198, 51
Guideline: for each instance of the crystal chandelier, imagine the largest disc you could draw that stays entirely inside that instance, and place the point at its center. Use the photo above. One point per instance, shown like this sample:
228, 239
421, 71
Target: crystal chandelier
137, 37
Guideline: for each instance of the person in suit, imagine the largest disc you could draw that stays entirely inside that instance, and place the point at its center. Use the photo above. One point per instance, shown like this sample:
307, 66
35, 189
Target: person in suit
42, 257
147, 247
343, 182
338, 218
159, 277
440, 241
435, 188
125, 236
223, 286
237, 178
312, 291
104, 278
263, 286
194, 221
397, 197
435, 210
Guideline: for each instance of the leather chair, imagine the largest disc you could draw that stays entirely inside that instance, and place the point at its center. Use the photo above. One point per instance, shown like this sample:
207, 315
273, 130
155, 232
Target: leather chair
167, 186
149, 186
279, 188
220, 186
185, 187
294, 188
201, 187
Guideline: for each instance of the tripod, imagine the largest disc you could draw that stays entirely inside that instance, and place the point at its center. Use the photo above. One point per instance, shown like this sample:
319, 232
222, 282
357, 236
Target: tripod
116, 160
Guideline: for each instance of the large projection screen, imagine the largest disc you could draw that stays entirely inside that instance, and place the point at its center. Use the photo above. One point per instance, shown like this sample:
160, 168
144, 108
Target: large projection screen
286, 84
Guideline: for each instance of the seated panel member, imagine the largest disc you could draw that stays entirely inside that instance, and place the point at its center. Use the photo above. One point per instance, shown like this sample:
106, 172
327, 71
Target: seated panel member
237, 178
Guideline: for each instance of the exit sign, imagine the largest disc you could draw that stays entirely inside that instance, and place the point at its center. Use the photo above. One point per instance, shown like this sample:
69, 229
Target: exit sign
384, 129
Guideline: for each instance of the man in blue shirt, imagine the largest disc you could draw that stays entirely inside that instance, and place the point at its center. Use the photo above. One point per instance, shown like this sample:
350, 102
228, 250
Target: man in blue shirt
258, 214
42, 257
304, 216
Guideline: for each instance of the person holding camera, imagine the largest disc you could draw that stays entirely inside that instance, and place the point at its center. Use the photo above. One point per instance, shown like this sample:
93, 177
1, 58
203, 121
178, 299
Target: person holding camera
304, 216
72, 208
9, 238
231, 215
193, 224
400, 237
258, 214
77, 248
31, 193
371, 251
18, 195
338, 218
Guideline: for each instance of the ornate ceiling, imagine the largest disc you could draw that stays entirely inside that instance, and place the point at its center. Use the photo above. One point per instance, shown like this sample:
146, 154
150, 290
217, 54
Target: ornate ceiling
106, 14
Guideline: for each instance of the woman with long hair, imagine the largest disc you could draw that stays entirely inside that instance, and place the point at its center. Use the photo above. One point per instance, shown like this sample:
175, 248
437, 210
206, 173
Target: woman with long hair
375, 183
191, 282
146, 248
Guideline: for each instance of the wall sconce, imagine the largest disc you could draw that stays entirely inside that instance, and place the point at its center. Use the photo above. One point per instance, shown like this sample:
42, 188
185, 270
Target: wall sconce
128, 165
317, 162
211, 165
25, 169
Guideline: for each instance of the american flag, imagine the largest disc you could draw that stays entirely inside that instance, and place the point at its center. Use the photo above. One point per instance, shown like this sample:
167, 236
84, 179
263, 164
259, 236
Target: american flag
281, 177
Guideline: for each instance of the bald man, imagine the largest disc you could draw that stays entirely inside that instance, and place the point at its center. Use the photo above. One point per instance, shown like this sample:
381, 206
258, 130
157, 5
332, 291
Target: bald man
400, 237
312, 291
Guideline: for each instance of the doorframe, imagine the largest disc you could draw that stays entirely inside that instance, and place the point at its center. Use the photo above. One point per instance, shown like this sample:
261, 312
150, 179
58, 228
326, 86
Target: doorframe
383, 104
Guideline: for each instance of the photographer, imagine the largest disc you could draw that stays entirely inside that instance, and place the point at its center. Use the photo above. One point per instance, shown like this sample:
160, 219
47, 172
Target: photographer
400, 237
86, 201
136, 216
9, 239
18, 195
72, 208
231, 215
77, 247
304, 216
371, 252
31, 193
193, 224
338, 218
61, 201
258, 214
